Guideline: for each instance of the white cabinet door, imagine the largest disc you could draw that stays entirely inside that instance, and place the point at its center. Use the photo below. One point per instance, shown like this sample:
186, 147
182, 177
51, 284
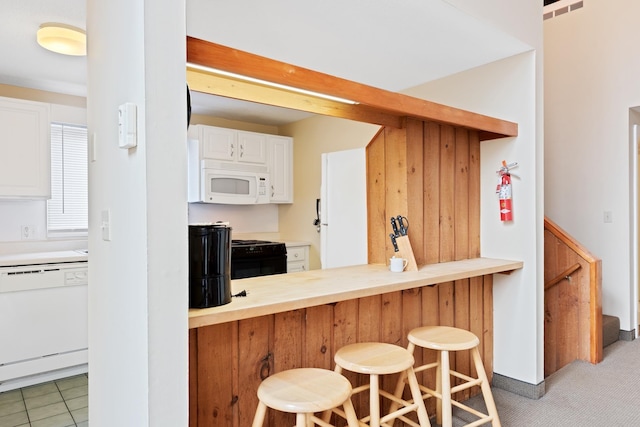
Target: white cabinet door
25, 163
252, 147
281, 168
218, 143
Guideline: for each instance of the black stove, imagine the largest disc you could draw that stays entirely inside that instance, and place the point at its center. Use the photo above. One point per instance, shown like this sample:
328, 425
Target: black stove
250, 258
256, 248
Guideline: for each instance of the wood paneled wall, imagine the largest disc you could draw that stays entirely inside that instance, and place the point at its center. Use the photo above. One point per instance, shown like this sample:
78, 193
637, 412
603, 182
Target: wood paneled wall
228, 361
427, 172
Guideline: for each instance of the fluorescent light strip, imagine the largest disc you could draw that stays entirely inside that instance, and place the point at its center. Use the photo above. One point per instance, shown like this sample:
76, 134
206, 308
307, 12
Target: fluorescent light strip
271, 84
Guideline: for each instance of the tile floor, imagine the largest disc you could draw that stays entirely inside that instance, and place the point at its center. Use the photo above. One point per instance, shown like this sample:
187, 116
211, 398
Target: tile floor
59, 403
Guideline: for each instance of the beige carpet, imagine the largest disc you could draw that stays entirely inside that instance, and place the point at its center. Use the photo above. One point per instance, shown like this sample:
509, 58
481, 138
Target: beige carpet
580, 394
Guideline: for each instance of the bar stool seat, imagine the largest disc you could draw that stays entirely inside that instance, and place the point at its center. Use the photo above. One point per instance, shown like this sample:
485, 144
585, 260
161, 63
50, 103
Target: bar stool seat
305, 391
444, 339
375, 359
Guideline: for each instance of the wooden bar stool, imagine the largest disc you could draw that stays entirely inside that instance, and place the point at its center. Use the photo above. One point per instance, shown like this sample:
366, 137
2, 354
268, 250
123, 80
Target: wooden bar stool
305, 391
444, 339
375, 359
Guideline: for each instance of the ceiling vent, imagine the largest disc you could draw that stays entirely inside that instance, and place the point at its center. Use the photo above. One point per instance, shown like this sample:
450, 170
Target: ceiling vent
560, 8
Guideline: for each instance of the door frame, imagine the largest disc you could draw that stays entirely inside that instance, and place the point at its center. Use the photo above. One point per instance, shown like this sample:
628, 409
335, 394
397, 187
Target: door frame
634, 227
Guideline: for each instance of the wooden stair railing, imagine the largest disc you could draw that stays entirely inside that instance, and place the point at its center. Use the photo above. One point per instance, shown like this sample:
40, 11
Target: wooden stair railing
565, 275
573, 308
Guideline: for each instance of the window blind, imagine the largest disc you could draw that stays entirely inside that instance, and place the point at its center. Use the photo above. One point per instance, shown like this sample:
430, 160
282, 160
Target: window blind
67, 210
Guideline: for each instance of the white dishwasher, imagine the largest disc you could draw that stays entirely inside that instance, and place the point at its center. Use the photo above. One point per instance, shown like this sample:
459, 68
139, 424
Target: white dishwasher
43, 322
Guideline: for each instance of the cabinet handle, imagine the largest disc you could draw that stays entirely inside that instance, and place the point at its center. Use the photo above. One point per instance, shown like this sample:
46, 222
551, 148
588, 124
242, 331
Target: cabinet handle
232, 150
241, 150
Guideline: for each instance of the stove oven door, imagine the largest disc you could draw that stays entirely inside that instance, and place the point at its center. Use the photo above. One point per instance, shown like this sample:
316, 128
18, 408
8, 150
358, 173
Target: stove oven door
260, 266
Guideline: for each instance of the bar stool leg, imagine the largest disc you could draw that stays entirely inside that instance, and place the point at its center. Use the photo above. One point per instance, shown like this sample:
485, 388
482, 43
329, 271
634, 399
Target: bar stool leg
486, 388
439, 388
445, 391
416, 393
258, 419
374, 401
398, 392
350, 412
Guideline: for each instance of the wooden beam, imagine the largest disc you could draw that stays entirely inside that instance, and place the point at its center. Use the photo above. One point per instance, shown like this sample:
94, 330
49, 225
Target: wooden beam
370, 99
201, 81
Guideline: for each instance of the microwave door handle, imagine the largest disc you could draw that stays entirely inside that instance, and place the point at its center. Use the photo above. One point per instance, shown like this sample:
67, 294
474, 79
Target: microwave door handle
257, 189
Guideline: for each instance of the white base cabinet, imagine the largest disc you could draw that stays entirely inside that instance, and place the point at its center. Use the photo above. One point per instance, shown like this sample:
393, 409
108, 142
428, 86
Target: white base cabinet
297, 256
25, 159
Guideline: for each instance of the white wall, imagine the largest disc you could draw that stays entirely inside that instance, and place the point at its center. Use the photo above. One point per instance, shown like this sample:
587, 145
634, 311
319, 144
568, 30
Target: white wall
591, 82
241, 218
138, 342
507, 89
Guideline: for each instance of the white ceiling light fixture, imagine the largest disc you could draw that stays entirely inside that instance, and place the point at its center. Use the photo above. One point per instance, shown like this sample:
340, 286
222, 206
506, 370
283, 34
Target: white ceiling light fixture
270, 84
62, 38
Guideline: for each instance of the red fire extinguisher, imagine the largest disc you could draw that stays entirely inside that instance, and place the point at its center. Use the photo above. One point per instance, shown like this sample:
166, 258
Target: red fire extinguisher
503, 190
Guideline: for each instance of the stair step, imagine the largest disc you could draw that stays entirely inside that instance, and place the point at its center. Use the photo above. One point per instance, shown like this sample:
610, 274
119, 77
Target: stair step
610, 329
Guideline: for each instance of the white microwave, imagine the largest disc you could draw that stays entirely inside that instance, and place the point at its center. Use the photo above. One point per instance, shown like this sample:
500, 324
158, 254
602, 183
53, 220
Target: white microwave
230, 183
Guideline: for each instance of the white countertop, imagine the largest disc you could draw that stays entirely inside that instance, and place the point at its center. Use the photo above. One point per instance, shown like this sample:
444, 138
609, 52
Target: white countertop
30, 258
292, 243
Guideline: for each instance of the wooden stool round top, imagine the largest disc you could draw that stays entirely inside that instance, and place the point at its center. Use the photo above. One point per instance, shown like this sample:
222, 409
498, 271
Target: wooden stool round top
374, 358
304, 390
444, 338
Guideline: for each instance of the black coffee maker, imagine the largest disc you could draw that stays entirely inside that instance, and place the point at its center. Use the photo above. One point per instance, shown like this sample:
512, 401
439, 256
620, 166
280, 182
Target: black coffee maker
209, 265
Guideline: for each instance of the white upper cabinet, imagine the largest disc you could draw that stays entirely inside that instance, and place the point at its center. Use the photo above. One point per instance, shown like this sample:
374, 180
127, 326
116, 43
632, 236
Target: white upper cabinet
230, 145
281, 168
25, 159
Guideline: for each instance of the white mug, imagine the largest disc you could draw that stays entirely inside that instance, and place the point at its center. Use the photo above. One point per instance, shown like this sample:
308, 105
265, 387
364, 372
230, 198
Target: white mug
397, 265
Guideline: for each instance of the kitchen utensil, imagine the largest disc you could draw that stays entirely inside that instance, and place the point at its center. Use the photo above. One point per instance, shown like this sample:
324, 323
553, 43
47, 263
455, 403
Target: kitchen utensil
403, 229
394, 225
393, 241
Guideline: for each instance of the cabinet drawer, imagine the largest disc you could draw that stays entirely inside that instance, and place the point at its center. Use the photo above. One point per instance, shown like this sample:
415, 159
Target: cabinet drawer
296, 266
296, 254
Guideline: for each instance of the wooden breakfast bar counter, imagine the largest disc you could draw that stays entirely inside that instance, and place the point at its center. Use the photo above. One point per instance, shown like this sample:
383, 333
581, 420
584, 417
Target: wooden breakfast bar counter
278, 293
301, 319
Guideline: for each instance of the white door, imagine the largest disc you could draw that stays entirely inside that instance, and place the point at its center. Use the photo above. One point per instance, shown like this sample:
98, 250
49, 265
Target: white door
343, 209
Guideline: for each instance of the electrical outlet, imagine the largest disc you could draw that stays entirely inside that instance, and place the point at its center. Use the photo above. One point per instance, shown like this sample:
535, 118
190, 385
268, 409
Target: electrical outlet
28, 232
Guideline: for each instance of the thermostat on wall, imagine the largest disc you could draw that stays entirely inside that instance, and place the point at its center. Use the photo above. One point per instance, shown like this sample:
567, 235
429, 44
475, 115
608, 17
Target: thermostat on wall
127, 125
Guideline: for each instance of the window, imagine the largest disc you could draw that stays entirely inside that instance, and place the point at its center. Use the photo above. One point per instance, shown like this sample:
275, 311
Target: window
67, 210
